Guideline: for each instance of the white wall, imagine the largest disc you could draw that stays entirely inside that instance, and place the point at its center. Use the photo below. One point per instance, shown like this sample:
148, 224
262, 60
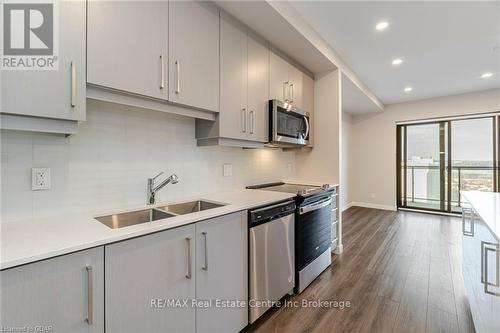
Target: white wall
105, 165
346, 161
321, 164
374, 141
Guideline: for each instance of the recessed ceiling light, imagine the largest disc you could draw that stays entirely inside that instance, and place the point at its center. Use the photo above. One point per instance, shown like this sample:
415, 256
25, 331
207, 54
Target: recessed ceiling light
397, 61
486, 75
408, 89
382, 25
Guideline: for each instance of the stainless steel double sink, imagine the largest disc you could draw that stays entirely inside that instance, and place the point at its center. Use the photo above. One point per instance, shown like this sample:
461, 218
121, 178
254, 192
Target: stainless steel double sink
121, 220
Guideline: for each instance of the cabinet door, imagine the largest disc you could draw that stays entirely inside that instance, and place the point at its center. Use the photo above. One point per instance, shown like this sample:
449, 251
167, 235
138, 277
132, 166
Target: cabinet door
488, 264
258, 89
55, 293
127, 46
144, 272
484, 306
222, 272
48, 93
233, 80
296, 87
194, 54
278, 78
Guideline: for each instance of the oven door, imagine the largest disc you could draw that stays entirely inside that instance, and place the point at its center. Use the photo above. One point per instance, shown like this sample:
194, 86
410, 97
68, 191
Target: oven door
289, 125
313, 228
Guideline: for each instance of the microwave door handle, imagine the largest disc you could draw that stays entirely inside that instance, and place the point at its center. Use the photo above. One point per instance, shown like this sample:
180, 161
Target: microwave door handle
307, 127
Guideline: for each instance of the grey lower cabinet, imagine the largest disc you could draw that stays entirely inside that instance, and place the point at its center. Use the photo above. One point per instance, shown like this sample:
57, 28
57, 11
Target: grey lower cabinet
481, 271
142, 274
62, 294
222, 273
149, 278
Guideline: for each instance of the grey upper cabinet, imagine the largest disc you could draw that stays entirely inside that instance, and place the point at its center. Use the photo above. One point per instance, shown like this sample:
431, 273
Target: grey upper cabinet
140, 271
244, 89
127, 46
222, 272
289, 84
258, 89
194, 54
234, 112
57, 94
278, 78
65, 293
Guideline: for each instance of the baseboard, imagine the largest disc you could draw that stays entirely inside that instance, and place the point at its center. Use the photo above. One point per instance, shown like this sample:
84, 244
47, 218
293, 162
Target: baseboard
339, 249
346, 207
370, 205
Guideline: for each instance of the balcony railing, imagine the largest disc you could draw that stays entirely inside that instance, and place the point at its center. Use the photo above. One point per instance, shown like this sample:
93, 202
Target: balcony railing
462, 178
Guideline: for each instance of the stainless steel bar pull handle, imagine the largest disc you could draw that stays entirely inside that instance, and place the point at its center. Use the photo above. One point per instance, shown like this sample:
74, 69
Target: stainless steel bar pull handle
73, 84
178, 69
244, 120
205, 268
189, 260
291, 89
162, 69
252, 119
285, 89
488, 284
90, 300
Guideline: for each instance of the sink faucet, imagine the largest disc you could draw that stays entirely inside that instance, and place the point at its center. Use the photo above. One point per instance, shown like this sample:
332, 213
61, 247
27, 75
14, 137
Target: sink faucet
153, 187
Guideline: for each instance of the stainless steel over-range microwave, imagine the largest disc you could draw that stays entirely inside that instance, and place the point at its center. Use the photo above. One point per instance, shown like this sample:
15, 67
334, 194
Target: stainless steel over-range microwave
288, 125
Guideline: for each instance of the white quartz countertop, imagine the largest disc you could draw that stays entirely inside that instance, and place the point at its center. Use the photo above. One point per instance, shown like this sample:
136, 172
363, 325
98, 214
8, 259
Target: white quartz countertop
27, 241
487, 206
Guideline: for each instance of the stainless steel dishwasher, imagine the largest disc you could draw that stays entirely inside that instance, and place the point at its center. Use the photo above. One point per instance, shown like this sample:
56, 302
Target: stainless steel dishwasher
272, 256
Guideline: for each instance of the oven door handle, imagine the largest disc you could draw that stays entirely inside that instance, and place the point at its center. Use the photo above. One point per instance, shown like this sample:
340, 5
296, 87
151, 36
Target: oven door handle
315, 206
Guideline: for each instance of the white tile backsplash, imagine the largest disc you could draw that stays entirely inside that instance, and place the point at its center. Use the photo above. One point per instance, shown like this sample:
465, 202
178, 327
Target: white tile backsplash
105, 165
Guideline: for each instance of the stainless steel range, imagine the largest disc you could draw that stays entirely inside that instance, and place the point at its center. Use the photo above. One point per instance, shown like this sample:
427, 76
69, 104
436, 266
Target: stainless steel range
313, 233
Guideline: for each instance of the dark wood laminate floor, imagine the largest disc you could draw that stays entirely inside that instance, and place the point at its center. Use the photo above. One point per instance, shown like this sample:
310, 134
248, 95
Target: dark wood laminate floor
401, 271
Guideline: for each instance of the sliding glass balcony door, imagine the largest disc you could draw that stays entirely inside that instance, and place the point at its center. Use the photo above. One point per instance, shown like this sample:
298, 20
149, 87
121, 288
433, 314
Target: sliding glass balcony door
472, 158
423, 166
437, 160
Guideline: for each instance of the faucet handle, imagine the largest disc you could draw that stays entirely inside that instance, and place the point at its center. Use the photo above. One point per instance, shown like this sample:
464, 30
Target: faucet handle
158, 175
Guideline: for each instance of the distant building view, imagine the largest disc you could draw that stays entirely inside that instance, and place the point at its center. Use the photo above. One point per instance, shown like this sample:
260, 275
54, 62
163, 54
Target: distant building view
424, 179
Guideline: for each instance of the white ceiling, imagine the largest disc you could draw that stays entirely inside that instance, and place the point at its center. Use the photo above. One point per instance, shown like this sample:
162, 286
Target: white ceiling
446, 46
354, 100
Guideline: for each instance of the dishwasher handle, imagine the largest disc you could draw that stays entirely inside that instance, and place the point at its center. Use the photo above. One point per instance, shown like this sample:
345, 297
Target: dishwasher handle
270, 213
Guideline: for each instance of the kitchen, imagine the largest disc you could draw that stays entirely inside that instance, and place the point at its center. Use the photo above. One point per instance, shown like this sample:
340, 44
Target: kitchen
157, 145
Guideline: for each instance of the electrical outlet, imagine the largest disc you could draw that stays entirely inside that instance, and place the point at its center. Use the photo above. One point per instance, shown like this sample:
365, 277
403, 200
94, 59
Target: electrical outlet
372, 195
289, 167
40, 179
228, 170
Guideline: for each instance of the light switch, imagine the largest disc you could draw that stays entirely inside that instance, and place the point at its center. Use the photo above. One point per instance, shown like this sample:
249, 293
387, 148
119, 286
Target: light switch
228, 170
40, 179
